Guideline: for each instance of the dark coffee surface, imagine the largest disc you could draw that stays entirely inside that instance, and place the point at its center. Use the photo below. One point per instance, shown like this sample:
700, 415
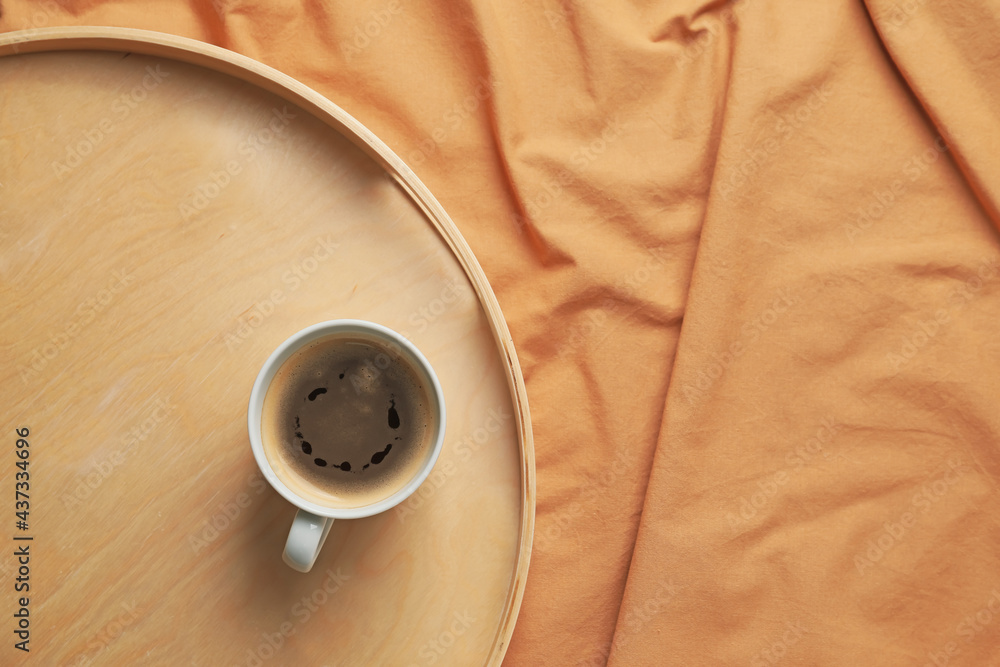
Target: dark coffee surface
349, 417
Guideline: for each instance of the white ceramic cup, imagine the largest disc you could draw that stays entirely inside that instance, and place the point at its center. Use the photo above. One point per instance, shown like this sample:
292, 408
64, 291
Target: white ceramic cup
313, 520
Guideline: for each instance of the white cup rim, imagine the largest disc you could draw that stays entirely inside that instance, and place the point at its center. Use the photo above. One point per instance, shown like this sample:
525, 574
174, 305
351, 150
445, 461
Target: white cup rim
281, 354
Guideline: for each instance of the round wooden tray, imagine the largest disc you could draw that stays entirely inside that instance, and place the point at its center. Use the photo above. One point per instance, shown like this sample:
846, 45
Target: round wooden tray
171, 212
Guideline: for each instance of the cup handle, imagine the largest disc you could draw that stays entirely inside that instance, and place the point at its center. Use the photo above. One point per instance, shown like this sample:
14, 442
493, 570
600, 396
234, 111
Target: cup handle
305, 539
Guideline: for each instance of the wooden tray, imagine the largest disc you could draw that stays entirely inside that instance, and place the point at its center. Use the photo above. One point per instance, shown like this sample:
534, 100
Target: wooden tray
170, 212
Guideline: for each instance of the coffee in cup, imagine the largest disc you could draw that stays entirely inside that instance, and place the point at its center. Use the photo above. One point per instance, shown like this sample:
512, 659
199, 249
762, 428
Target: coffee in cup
346, 420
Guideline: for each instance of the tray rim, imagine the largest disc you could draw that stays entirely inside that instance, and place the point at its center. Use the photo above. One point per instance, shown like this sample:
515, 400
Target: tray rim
244, 68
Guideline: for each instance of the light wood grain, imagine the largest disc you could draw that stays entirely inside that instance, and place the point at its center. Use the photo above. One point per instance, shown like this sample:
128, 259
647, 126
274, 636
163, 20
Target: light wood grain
169, 217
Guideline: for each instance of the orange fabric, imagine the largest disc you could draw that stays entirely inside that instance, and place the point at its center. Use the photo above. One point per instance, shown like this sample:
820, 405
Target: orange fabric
748, 253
